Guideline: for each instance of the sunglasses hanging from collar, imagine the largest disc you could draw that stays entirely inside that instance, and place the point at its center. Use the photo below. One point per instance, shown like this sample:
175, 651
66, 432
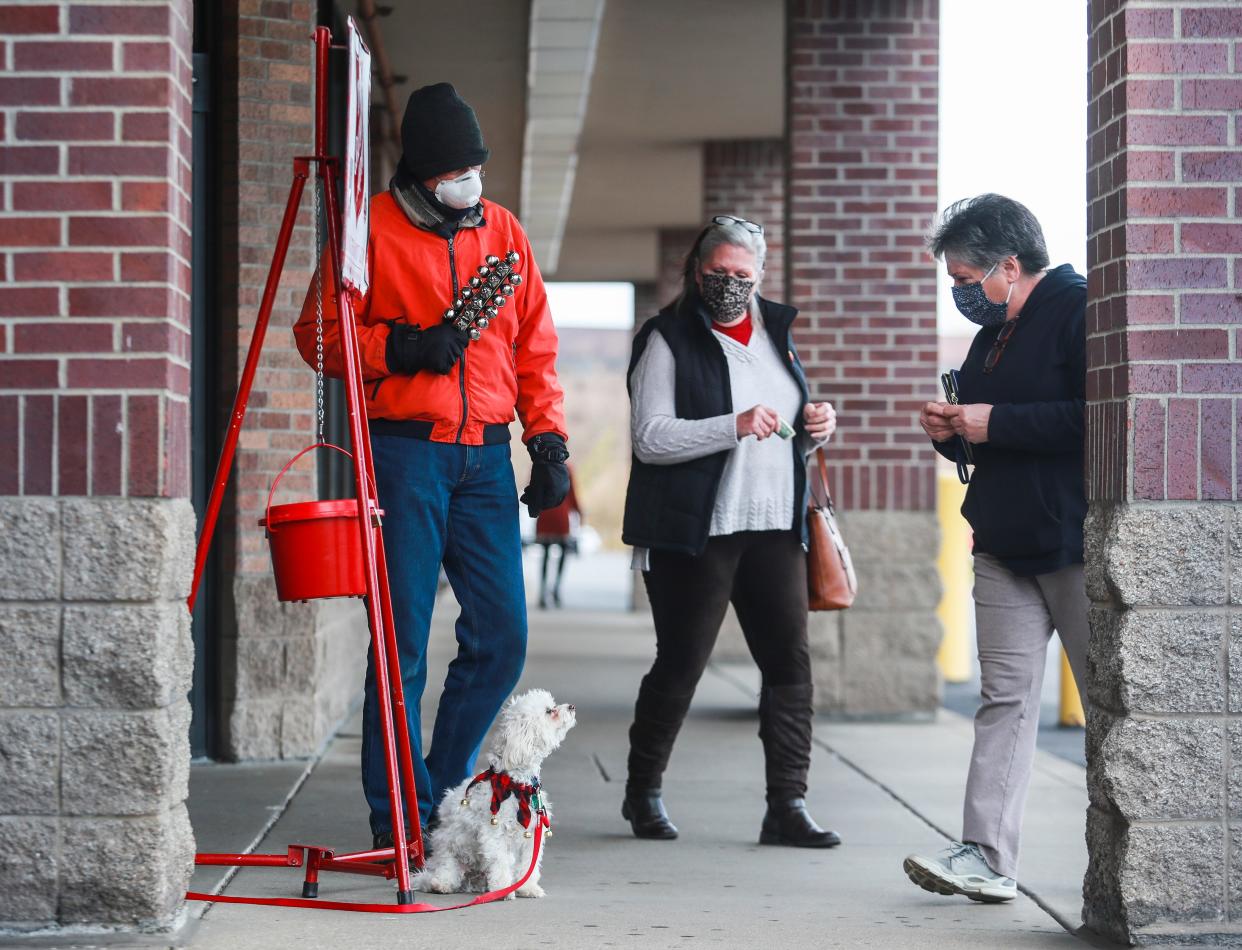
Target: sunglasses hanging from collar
479, 303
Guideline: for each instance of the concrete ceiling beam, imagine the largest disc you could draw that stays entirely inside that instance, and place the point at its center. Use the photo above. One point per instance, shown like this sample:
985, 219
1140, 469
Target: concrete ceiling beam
562, 41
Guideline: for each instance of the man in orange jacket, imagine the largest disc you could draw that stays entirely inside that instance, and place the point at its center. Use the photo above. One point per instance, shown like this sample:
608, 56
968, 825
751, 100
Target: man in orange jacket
439, 405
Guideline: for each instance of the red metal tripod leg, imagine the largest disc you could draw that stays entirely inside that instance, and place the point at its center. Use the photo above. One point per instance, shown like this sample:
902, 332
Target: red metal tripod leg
310, 883
380, 634
400, 719
396, 684
394, 660
238, 414
383, 639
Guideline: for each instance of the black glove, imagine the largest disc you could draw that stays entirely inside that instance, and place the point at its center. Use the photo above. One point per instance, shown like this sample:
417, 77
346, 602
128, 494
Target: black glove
437, 348
549, 476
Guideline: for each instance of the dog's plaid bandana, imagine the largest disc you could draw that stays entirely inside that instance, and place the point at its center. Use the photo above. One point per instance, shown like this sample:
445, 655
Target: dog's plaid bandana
503, 786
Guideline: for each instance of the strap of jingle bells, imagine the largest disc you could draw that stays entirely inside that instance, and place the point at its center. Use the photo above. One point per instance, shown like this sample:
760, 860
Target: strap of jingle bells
479, 302
528, 798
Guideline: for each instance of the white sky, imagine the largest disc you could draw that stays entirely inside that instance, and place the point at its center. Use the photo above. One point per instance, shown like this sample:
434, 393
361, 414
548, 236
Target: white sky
1013, 119
606, 306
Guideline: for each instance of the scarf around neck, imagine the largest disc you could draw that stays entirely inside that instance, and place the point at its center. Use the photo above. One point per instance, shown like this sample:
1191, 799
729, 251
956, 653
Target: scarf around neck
422, 211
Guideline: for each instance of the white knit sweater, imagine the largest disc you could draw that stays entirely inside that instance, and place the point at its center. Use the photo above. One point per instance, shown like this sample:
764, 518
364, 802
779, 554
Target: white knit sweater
756, 491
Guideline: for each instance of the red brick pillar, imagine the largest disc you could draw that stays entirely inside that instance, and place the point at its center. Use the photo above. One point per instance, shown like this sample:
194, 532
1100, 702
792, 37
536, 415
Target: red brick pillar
288, 670
747, 179
1164, 536
98, 531
742, 178
674, 243
862, 109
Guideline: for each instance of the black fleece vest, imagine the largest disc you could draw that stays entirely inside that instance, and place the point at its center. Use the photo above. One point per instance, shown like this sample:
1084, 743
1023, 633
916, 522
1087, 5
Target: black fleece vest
669, 507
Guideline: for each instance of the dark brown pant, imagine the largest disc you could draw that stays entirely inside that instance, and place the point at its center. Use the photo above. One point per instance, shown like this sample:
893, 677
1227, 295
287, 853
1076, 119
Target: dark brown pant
763, 574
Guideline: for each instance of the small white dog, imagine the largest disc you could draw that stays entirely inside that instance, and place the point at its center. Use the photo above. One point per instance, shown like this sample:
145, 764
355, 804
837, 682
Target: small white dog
486, 827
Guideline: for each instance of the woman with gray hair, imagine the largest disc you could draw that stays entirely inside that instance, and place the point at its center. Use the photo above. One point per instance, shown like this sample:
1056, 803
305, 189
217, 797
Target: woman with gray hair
1018, 412
715, 510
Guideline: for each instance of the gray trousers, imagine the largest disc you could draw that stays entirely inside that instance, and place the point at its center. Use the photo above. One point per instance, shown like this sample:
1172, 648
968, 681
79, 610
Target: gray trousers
1014, 619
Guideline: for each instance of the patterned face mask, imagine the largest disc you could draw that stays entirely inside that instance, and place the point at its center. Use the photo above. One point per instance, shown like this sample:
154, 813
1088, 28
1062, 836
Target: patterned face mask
975, 306
726, 296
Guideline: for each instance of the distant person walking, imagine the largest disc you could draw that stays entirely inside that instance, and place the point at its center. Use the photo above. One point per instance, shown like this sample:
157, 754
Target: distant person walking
558, 528
716, 509
1022, 390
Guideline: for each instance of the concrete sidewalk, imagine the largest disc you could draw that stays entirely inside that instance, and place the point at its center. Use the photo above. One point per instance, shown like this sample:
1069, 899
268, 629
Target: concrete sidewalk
889, 789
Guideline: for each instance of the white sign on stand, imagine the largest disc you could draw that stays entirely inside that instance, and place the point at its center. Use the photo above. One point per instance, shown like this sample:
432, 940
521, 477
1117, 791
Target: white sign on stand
357, 166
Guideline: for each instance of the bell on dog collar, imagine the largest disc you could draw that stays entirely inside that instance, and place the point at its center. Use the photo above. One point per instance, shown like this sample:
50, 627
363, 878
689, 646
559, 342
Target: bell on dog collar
465, 801
527, 834
548, 833
495, 820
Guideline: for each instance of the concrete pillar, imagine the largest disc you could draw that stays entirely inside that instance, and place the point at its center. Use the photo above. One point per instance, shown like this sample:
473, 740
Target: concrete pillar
98, 532
863, 86
1164, 534
288, 671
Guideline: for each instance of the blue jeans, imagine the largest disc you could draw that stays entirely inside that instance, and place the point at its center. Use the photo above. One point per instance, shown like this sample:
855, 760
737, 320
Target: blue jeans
455, 504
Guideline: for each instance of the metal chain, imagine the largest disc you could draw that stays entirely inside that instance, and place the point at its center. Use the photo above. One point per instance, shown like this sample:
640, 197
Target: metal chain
318, 311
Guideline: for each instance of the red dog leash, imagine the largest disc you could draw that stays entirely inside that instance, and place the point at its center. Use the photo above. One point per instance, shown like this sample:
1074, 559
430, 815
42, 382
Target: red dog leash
362, 908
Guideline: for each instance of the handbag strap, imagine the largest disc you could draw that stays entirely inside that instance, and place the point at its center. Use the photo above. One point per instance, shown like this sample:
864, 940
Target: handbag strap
822, 466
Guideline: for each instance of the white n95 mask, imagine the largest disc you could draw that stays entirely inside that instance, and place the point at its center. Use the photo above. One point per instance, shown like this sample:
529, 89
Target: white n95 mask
462, 192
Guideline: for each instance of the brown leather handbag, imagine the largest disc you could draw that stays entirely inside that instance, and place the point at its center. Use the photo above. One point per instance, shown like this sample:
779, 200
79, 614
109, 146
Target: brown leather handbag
830, 580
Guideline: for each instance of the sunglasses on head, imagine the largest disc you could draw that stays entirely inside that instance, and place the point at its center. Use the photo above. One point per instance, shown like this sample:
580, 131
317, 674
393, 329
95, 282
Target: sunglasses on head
722, 220
727, 219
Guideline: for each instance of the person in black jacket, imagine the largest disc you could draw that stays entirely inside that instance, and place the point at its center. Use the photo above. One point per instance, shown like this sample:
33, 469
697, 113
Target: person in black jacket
1021, 398
721, 422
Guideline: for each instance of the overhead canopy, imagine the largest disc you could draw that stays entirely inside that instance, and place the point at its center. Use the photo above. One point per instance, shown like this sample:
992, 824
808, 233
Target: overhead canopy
596, 111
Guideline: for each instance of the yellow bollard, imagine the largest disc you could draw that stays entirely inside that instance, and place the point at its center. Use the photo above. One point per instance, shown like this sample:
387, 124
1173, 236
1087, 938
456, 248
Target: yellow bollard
1071, 703
955, 577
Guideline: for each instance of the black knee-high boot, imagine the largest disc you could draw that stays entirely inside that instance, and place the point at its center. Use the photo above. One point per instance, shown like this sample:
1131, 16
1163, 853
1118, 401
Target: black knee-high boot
657, 720
785, 714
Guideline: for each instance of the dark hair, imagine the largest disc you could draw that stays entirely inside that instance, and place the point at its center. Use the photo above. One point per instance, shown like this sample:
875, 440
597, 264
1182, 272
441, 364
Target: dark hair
984, 230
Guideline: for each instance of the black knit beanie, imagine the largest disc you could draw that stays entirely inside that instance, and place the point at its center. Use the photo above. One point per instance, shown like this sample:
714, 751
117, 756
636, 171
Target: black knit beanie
440, 133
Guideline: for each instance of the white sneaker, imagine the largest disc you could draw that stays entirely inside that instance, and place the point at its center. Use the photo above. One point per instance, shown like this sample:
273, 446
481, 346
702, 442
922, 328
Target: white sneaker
960, 869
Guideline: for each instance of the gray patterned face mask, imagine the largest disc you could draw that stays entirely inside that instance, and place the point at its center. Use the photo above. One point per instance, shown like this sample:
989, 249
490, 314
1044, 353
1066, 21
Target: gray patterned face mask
975, 306
726, 296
